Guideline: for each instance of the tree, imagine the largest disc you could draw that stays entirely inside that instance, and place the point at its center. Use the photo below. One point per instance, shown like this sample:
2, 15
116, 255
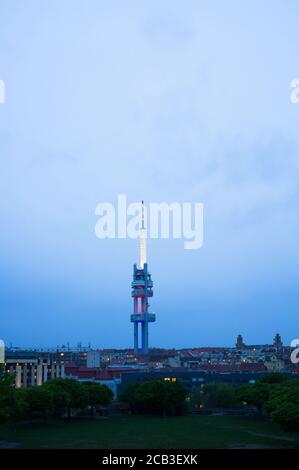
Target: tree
39, 401
155, 397
287, 416
196, 398
219, 395
18, 406
97, 394
67, 394
152, 397
128, 395
255, 394
175, 398
283, 404
6, 392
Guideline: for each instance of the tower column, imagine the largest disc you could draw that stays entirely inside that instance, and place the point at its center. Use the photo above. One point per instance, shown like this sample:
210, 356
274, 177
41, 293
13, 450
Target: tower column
135, 338
145, 337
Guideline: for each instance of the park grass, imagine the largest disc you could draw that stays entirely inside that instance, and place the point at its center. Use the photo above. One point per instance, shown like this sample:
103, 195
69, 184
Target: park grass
132, 432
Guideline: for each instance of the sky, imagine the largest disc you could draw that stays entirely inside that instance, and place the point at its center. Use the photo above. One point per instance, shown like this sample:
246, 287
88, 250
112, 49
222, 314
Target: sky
163, 101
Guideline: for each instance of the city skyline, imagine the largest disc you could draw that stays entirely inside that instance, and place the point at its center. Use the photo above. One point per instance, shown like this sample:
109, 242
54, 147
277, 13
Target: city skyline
67, 346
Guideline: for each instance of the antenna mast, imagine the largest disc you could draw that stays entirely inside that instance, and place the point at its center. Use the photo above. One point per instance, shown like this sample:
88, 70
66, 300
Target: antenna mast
143, 237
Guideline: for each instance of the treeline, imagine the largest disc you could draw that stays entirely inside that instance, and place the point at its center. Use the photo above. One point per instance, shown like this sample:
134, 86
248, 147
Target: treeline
274, 395
57, 397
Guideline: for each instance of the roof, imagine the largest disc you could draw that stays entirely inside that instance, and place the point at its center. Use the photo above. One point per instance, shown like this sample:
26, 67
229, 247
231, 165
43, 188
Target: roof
72, 370
242, 367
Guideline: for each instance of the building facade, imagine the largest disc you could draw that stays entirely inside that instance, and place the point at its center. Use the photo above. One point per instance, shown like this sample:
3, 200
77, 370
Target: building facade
31, 370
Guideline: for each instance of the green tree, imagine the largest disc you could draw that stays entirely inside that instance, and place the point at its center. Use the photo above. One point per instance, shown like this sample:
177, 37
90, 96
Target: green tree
128, 396
283, 404
155, 397
68, 394
196, 398
255, 394
6, 393
174, 403
151, 397
39, 401
219, 395
287, 416
18, 406
97, 395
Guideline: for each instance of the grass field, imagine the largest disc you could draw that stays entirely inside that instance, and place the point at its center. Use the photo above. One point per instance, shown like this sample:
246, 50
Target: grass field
129, 432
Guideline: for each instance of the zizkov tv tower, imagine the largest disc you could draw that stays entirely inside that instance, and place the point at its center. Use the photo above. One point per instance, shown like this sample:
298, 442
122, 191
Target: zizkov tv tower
142, 289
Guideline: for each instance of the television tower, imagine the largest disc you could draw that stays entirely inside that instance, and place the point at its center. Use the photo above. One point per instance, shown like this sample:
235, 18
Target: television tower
142, 289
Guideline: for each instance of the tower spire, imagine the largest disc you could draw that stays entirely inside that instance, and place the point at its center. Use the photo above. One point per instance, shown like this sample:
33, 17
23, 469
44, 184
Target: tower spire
143, 237
142, 216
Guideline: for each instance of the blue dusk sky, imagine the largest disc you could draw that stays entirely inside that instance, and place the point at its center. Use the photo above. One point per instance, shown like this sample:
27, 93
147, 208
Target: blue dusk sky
161, 101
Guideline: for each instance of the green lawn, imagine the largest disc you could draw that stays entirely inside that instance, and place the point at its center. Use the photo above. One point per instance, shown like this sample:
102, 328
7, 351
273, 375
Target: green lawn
129, 432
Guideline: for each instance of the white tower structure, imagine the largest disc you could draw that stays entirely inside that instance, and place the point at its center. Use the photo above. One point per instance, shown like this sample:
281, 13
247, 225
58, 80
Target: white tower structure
143, 237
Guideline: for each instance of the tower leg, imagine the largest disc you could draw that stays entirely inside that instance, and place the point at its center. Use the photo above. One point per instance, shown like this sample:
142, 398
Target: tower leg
145, 337
135, 337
